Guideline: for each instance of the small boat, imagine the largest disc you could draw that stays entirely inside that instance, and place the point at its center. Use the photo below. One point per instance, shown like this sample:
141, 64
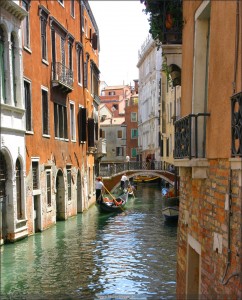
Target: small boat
110, 205
170, 207
171, 212
146, 179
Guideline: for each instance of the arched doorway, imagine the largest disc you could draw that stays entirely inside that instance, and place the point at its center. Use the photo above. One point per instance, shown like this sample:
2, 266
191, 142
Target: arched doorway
79, 193
60, 197
3, 197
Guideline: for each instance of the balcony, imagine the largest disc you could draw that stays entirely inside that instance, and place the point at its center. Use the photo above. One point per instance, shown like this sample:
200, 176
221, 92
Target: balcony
236, 125
62, 77
190, 143
101, 145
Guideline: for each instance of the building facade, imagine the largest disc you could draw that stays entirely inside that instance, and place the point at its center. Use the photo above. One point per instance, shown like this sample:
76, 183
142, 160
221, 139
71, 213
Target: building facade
208, 152
56, 103
12, 153
149, 65
170, 103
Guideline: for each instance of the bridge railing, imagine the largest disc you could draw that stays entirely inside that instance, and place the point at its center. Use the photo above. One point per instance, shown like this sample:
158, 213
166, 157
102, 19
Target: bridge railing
110, 168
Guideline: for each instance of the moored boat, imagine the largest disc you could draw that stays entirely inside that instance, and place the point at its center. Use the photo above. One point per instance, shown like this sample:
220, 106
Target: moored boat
170, 205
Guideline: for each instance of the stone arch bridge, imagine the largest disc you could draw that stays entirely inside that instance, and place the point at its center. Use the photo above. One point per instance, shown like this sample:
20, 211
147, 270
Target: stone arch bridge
112, 173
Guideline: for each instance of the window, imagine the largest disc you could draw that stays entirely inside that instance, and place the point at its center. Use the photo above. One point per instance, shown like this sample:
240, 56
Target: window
43, 24
85, 79
70, 46
13, 69
26, 38
72, 122
119, 151
19, 189
61, 2
72, 3
2, 68
82, 16
45, 112
86, 27
111, 93
48, 187
28, 105
3, 175
91, 132
133, 117
133, 152
119, 134
60, 119
103, 134
69, 184
79, 65
134, 133
82, 124
35, 174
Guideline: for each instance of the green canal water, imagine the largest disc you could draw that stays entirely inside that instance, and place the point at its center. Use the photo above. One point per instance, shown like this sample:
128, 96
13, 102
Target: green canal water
131, 255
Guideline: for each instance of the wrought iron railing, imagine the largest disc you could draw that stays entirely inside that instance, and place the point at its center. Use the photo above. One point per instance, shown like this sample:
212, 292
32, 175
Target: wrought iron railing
62, 74
111, 168
236, 124
190, 135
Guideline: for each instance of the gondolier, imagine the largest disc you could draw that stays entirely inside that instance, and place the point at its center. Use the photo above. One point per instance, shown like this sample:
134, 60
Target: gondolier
99, 190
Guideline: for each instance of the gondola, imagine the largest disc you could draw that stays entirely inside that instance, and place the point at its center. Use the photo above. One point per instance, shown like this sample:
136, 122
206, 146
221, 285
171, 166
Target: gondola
112, 206
170, 205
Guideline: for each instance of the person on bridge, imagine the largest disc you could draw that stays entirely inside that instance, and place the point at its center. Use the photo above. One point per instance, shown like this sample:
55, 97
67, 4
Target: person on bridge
99, 190
124, 181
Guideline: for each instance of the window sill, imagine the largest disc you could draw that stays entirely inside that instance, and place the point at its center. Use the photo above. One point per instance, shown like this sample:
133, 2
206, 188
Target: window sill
36, 192
49, 208
199, 166
29, 132
46, 136
45, 62
27, 49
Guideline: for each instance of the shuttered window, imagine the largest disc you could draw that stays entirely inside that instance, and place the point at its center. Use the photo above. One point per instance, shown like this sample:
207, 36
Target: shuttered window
28, 105
91, 132
60, 119
43, 23
82, 124
45, 112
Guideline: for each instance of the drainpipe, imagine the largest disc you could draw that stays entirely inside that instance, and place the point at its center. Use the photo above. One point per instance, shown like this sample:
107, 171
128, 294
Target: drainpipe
228, 263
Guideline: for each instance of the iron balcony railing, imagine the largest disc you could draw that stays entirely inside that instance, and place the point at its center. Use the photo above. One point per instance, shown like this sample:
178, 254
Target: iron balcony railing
236, 124
190, 136
62, 75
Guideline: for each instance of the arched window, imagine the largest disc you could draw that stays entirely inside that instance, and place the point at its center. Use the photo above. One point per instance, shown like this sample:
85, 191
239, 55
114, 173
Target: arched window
13, 48
19, 190
2, 73
3, 175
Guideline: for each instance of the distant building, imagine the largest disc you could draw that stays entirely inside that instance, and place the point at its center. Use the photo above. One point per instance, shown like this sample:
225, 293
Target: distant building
131, 121
149, 65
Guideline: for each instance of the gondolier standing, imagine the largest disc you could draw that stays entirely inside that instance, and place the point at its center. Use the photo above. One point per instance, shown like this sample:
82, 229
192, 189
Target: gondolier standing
124, 180
99, 190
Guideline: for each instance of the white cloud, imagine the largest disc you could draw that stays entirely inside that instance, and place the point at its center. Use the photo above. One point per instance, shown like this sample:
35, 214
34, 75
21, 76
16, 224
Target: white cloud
123, 27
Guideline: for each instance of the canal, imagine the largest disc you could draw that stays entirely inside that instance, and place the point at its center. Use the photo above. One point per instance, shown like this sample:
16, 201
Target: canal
92, 256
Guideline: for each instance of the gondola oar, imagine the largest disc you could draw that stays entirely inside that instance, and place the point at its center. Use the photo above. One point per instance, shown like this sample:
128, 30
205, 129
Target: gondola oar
115, 201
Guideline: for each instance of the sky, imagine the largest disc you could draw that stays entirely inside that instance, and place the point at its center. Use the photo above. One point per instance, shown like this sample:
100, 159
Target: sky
123, 28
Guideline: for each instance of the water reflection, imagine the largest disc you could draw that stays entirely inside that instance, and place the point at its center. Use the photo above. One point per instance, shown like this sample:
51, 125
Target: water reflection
97, 256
